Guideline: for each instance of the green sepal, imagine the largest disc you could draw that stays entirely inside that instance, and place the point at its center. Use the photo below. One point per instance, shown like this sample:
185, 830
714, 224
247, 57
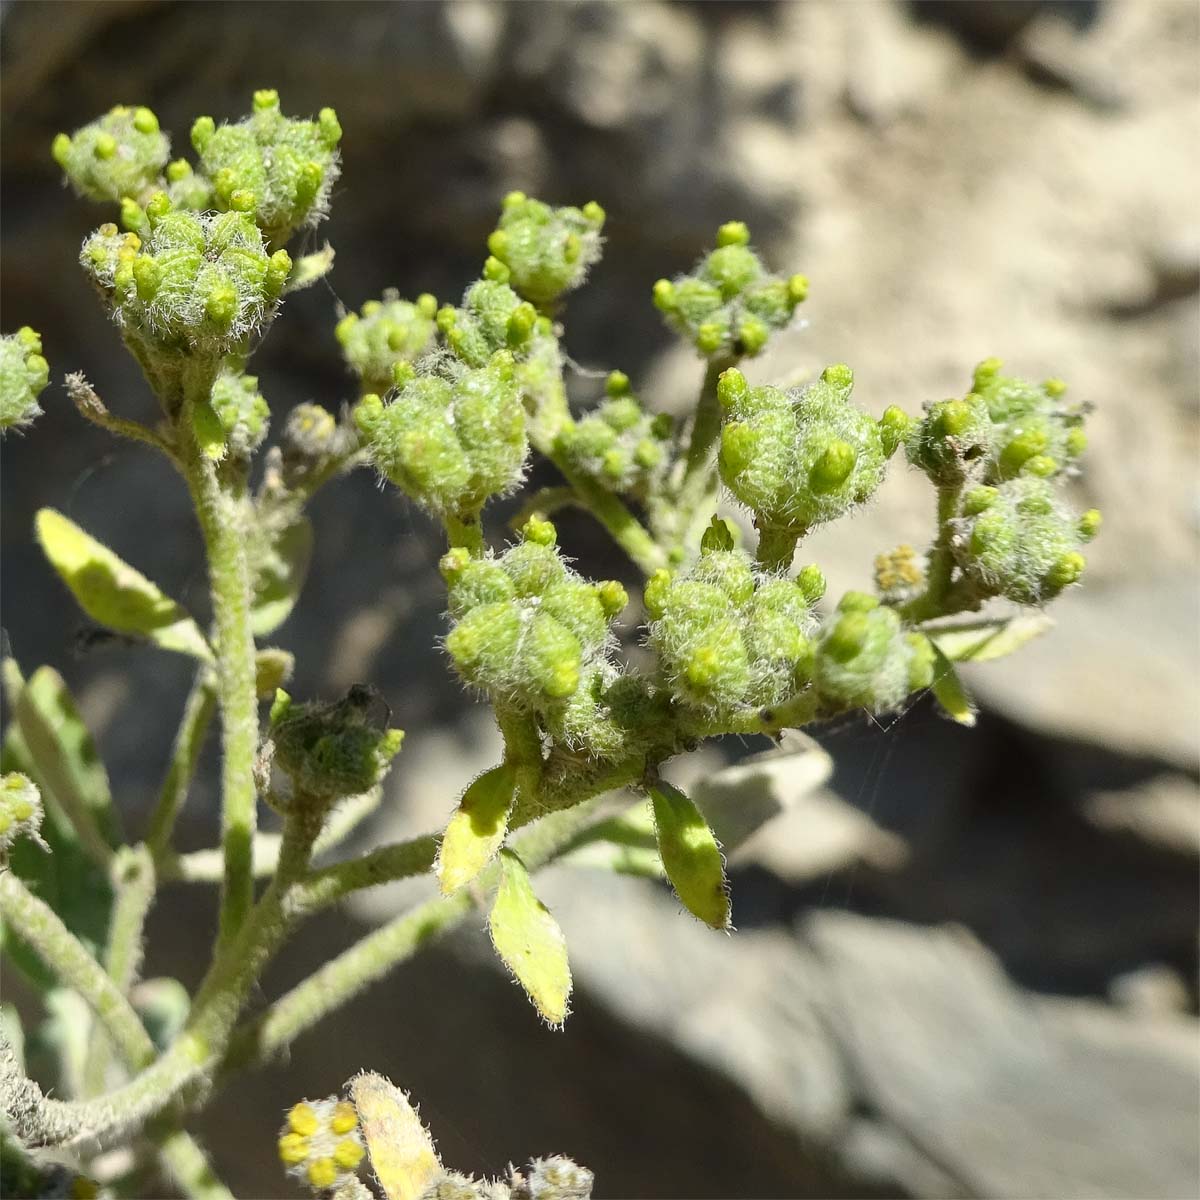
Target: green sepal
529, 942
477, 828
112, 592
691, 856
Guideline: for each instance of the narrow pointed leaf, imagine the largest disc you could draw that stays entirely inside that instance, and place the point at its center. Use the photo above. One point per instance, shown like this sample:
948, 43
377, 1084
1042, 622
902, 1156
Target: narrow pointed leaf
529, 941
949, 691
982, 641
477, 828
402, 1152
112, 592
281, 574
691, 856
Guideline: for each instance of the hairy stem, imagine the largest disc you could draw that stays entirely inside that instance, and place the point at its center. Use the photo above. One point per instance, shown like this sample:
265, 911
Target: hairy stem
221, 509
189, 1167
385, 864
776, 547
932, 602
133, 889
465, 533
197, 715
706, 424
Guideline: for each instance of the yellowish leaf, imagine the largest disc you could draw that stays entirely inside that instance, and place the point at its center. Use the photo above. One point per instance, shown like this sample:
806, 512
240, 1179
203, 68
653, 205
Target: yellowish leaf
402, 1152
477, 828
691, 856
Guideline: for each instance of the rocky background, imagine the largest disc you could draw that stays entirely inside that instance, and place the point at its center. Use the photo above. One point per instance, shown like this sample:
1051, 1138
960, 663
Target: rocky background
966, 964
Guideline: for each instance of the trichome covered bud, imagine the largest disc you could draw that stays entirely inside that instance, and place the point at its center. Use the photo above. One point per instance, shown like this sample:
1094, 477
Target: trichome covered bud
1018, 540
864, 658
20, 810
384, 333
320, 1143
619, 444
24, 373
952, 435
192, 284
241, 410
730, 304
277, 169
328, 751
546, 250
528, 630
728, 636
491, 317
801, 457
119, 156
450, 441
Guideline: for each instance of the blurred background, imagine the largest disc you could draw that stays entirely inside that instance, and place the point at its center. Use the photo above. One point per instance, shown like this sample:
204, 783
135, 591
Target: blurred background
966, 964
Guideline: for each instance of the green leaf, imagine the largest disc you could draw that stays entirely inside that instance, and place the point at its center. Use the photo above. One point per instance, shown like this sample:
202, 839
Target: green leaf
112, 592
210, 433
529, 941
477, 828
981, 641
691, 856
281, 576
308, 268
949, 691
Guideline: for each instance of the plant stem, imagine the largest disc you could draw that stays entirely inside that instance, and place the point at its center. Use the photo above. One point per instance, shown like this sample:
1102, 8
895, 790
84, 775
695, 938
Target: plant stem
940, 568
133, 888
197, 714
189, 1167
706, 424
220, 506
385, 864
626, 530
467, 534
38, 924
776, 547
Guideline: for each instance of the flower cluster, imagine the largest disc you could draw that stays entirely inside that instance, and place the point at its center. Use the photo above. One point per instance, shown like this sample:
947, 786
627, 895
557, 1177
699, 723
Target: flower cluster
24, 373
619, 444
320, 1144
385, 333
547, 251
242, 411
728, 636
121, 156
491, 317
20, 809
730, 304
277, 169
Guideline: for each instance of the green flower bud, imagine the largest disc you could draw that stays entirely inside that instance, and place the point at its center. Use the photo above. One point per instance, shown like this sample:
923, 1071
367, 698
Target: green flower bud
618, 444
1022, 543
529, 630
242, 411
384, 334
811, 581
801, 457
728, 637
1036, 432
20, 810
894, 428
1089, 524
120, 155
282, 168
200, 286
450, 442
863, 658
492, 317
328, 751
24, 374
729, 305
952, 435
547, 250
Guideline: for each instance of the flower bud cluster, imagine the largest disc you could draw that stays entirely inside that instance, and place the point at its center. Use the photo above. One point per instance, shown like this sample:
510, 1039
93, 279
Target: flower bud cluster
730, 304
491, 317
1018, 540
534, 635
805, 456
242, 411
547, 250
556, 1178
120, 156
20, 809
540, 375
1034, 432
24, 373
277, 169
864, 658
620, 445
728, 636
194, 284
332, 750
321, 1144
384, 333
953, 435
449, 439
